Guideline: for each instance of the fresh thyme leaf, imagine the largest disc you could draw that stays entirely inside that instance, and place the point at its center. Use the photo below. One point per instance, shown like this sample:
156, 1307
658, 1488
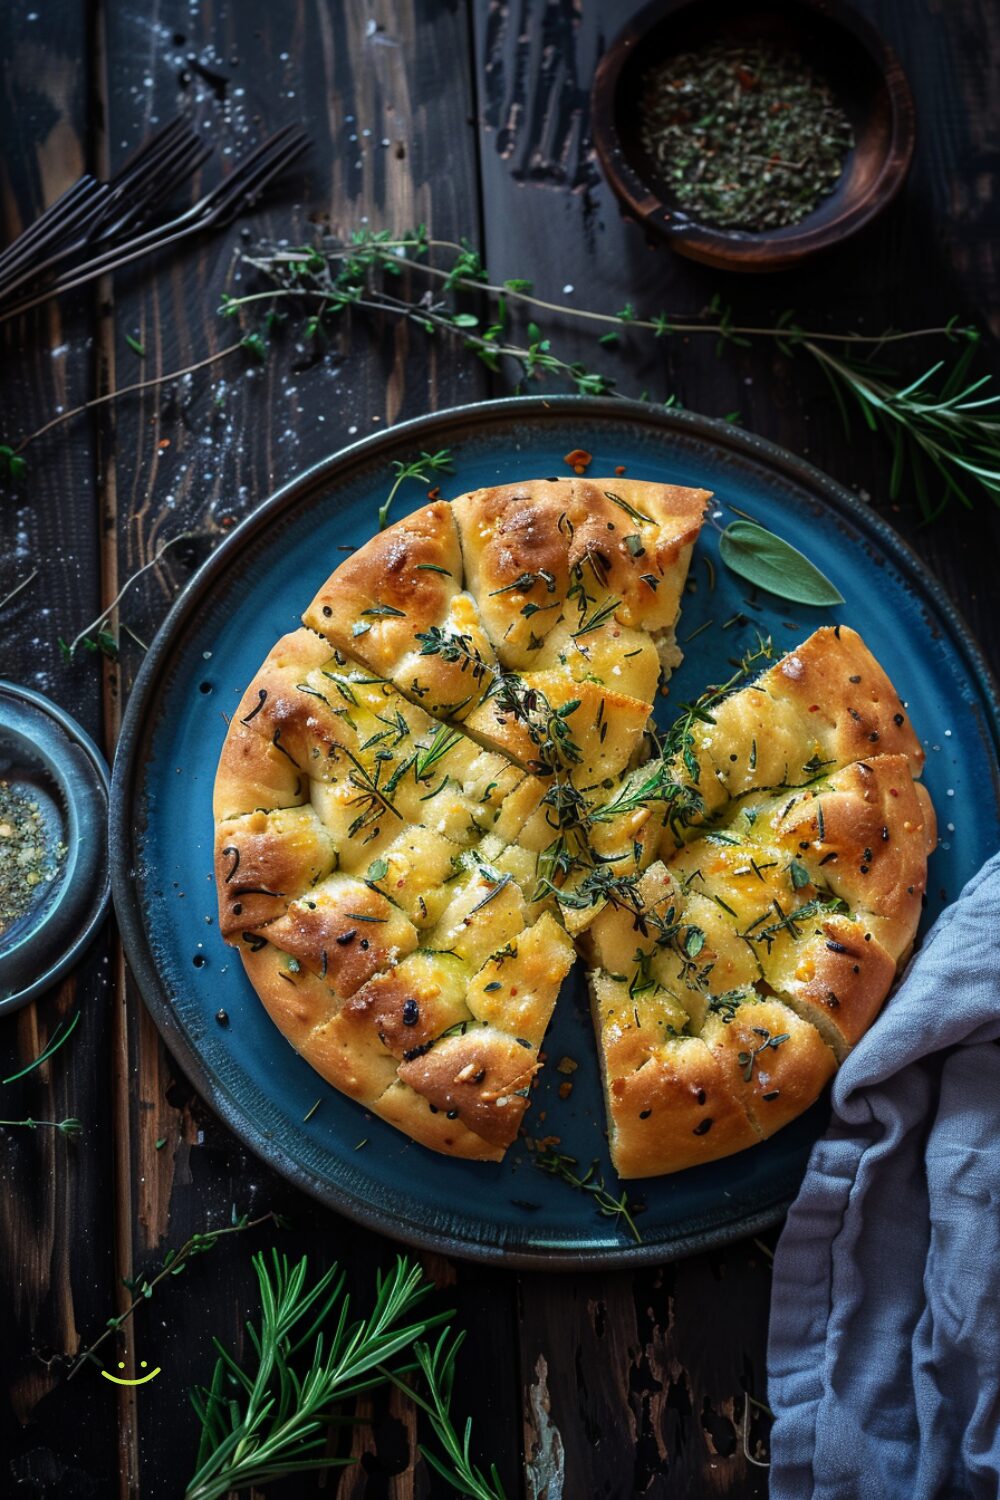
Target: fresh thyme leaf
419, 470
694, 941
775, 565
11, 463
255, 345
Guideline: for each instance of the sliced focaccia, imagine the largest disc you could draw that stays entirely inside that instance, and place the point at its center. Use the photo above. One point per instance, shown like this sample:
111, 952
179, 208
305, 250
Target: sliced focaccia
486, 610
822, 706
547, 553
674, 1099
446, 784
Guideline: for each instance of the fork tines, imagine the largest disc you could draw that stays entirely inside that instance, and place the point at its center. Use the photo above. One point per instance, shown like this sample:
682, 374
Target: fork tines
101, 213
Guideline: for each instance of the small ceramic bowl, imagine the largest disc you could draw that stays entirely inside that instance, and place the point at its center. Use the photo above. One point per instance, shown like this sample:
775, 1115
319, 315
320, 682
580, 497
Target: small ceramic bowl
46, 754
863, 72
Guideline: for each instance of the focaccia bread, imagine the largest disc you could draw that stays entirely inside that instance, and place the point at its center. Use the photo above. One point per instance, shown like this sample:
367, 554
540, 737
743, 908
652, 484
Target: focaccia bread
443, 788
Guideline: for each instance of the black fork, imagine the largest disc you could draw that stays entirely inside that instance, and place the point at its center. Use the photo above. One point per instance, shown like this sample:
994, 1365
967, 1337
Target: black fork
220, 206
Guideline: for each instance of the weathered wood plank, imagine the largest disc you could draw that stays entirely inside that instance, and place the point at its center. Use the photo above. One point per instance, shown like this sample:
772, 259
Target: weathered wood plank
55, 1210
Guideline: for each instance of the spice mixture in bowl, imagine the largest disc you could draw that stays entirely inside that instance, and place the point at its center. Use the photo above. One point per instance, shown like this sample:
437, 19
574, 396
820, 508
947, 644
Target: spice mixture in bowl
751, 136
746, 133
54, 884
29, 854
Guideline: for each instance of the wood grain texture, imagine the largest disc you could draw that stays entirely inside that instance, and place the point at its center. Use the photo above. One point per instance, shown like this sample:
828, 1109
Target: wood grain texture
605, 1384
55, 1210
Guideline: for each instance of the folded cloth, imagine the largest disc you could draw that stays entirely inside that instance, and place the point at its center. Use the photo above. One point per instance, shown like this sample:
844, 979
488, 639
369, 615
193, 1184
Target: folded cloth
884, 1352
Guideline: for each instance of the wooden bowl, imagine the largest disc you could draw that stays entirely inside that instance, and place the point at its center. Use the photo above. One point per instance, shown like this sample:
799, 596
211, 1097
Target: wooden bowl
863, 72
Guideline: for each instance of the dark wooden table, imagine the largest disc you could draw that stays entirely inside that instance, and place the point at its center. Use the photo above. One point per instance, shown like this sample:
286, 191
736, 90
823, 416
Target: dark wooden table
473, 119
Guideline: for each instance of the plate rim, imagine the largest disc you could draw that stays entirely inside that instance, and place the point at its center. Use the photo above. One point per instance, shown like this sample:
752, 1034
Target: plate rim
127, 763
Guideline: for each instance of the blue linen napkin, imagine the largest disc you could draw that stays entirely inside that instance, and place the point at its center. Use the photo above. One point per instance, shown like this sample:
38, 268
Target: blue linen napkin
884, 1351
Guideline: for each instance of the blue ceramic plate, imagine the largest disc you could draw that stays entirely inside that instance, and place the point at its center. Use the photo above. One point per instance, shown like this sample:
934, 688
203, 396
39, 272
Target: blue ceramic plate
252, 591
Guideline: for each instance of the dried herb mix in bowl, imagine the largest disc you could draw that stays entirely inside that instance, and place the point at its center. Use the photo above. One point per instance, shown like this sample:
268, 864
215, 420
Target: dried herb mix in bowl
746, 133
27, 861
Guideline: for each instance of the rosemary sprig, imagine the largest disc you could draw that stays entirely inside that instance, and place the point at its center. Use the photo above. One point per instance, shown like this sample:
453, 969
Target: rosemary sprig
559, 1165
263, 1424
456, 1467
956, 436
270, 1420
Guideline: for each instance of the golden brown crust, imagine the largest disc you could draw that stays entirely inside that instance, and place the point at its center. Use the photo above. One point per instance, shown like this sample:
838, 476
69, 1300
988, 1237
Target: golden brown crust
344, 932
572, 544
296, 1000
263, 860
516, 991
776, 1062
252, 773
406, 1009
482, 1078
836, 975
834, 677
678, 1111
425, 1123
400, 582
866, 836
825, 705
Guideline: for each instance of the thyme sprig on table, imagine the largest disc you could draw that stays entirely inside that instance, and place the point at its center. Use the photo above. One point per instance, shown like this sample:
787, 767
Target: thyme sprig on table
943, 429
951, 435
69, 1127
144, 1283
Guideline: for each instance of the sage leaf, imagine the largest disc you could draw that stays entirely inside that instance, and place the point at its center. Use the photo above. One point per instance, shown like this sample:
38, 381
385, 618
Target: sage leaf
775, 565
